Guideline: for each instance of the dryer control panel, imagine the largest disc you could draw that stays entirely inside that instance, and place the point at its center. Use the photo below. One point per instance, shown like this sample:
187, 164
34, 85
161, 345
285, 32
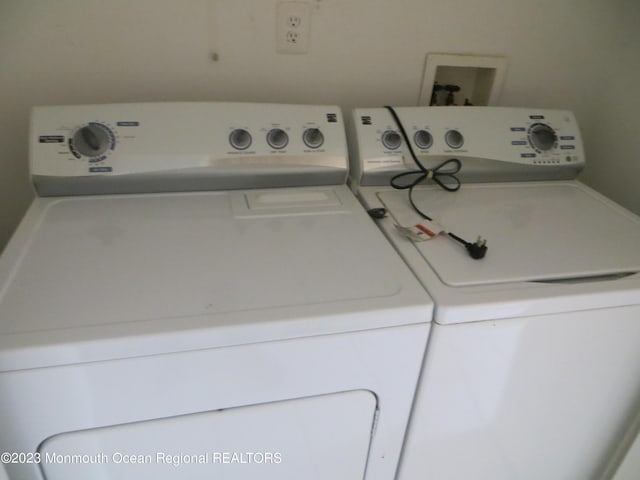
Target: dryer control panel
152, 147
492, 143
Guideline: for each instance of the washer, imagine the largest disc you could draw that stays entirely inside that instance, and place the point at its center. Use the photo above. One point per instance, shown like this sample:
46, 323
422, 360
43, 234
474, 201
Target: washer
625, 464
533, 365
152, 327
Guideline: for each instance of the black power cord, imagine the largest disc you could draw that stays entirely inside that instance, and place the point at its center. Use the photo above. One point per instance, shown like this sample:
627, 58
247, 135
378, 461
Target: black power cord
446, 170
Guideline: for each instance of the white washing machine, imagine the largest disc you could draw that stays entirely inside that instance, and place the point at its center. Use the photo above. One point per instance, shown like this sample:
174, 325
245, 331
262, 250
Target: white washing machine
152, 328
625, 463
533, 365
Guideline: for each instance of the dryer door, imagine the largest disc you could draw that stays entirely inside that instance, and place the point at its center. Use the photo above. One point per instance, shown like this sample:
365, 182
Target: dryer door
314, 438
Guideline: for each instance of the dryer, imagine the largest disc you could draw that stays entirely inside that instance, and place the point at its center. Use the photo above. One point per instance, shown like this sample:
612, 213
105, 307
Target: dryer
533, 365
195, 293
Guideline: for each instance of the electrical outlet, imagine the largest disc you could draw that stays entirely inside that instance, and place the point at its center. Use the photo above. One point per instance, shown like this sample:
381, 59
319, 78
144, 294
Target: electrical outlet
293, 23
292, 37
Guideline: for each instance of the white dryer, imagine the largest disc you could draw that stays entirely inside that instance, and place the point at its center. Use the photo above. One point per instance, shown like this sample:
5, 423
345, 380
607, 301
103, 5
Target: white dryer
533, 365
153, 328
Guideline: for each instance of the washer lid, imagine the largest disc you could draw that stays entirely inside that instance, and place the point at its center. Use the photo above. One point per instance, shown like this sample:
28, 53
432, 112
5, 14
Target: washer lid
535, 232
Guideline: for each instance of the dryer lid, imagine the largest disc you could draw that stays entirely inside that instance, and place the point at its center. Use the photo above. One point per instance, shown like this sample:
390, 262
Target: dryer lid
536, 232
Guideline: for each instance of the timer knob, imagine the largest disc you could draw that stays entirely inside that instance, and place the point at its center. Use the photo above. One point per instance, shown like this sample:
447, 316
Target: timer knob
92, 140
542, 137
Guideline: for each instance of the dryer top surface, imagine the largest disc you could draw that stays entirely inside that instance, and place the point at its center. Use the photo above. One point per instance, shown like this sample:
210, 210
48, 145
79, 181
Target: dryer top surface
258, 265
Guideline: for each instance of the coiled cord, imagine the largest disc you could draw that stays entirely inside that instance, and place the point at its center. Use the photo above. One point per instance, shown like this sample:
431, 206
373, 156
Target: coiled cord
446, 170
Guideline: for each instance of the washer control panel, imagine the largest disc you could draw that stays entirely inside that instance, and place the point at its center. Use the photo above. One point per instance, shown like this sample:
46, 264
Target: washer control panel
139, 147
493, 143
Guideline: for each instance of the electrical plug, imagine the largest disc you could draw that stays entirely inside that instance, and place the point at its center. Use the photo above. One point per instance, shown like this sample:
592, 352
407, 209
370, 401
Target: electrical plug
478, 249
377, 213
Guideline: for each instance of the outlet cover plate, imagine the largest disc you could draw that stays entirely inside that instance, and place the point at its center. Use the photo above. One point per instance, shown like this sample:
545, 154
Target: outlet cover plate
293, 25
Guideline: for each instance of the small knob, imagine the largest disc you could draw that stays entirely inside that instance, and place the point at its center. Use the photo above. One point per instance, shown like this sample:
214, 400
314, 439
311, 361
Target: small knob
277, 138
423, 139
391, 139
542, 137
454, 139
240, 139
92, 140
313, 138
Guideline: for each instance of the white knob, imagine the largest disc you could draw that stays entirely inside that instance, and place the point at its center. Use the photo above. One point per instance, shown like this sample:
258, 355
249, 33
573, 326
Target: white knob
313, 138
92, 140
277, 138
423, 139
240, 139
391, 139
454, 139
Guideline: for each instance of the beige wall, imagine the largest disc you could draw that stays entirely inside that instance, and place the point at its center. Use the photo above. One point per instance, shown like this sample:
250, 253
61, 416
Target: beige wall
575, 54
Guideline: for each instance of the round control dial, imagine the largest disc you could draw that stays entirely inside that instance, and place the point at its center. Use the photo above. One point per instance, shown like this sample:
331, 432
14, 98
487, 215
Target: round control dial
423, 139
313, 138
391, 139
92, 140
240, 139
542, 137
277, 138
454, 139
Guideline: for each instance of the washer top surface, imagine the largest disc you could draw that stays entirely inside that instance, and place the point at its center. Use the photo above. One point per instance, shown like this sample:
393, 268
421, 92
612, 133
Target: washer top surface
536, 232
196, 270
554, 244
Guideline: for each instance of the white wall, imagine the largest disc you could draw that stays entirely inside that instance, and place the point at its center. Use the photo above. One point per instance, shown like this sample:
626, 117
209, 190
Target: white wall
575, 54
